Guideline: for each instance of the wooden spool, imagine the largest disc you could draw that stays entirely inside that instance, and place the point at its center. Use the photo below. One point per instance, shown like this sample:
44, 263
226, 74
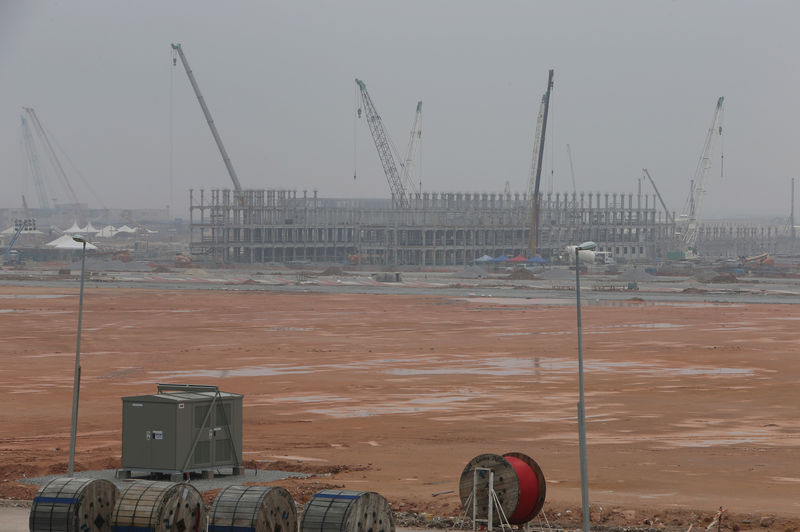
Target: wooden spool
253, 509
347, 511
149, 506
73, 505
506, 486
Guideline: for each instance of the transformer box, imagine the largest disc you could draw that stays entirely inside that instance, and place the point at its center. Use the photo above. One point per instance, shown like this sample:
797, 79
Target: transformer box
183, 428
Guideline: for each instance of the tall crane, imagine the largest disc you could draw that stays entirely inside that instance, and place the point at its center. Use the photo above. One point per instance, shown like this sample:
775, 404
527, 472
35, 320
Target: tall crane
51, 153
207, 113
535, 152
33, 164
536, 178
670, 218
409, 166
694, 203
400, 195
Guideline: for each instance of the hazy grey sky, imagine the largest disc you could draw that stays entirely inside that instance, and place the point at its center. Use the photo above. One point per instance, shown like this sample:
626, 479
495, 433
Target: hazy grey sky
635, 86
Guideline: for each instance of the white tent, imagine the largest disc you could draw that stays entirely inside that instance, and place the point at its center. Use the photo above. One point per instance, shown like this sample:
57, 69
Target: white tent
71, 244
90, 230
59, 240
107, 232
74, 230
126, 229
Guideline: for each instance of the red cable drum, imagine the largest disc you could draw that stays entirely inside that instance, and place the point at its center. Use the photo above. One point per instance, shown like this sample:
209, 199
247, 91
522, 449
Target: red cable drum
518, 482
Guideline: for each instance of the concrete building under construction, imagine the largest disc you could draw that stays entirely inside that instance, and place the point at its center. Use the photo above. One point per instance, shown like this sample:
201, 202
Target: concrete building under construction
437, 229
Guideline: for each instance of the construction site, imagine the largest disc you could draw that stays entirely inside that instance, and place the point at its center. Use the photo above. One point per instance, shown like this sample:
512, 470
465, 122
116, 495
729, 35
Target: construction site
380, 343
447, 229
417, 228
411, 228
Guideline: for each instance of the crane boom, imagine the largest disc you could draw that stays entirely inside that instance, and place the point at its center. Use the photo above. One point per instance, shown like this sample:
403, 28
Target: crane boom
670, 218
409, 166
535, 152
571, 169
534, 232
37, 126
694, 203
398, 190
207, 113
33, 164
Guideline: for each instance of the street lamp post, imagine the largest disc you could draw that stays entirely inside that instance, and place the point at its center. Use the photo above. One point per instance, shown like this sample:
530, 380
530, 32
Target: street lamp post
586, 246
76, 386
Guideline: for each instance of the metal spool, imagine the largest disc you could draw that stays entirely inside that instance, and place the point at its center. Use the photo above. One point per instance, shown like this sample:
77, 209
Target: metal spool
73, 505
253, 509
347, 511
149, 506
518, 482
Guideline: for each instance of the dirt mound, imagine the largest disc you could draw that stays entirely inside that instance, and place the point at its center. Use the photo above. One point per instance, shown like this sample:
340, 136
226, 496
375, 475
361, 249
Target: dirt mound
694, 290
711, 276
521, 275
161, 269
334, 271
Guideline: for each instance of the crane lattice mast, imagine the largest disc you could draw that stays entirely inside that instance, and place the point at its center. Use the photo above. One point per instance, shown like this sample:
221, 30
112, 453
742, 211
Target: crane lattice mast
62, 175
539, 153
409, 166
207, 113
33, 164
669, 216
398, 190
535, 152
694, 203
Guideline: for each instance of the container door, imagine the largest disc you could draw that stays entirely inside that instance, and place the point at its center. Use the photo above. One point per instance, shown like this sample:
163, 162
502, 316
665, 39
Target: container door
203, 450
222, 445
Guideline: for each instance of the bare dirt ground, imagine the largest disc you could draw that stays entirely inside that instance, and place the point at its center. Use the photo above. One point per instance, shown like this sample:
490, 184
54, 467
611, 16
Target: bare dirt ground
690, 407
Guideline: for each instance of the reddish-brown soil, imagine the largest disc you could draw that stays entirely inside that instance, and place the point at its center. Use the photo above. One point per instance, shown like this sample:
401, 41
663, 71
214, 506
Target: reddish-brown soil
690, 407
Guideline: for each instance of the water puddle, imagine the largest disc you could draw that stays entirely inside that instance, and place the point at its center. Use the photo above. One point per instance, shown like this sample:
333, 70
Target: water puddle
300, 399
34, 296
517, 301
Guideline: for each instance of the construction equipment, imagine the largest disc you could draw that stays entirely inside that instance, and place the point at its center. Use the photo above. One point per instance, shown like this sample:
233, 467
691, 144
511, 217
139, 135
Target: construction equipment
670, 218
227, 160
690, 220
571, 169
60, 172
536, 169
535, 152
33, 164
13, 257
386, 150
409, 166
182, 261
763, 259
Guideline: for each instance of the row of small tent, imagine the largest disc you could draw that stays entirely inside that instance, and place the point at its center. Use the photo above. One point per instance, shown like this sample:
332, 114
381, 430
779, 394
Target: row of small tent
106, 232
519, 259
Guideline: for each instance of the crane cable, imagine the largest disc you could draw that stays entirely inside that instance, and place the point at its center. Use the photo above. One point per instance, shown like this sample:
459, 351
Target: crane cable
721, 148
356, 116
174, 57
551, 156
74, 167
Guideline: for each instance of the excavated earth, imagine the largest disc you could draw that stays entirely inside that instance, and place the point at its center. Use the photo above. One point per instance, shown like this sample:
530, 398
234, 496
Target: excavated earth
689, 406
